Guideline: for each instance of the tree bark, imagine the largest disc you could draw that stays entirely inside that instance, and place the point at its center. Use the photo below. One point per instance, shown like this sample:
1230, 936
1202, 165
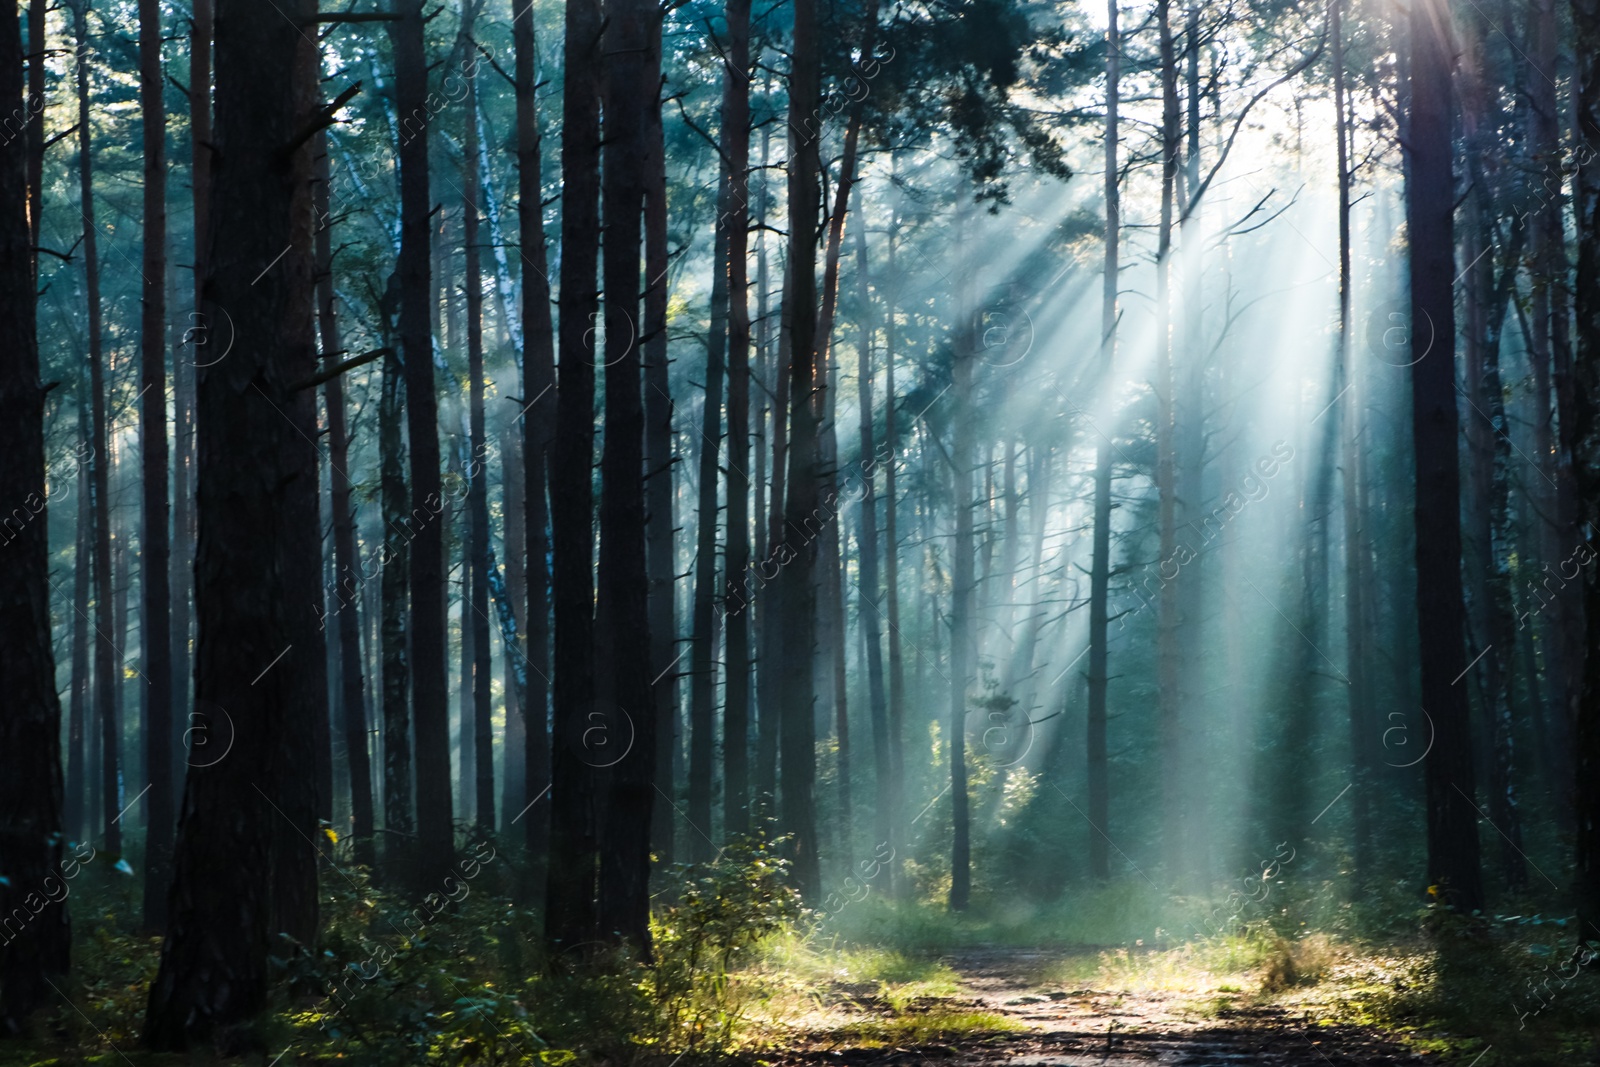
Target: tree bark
570, 916
1100, 558
796, 632
538, 422
624, 673
253, 809
1441, 614
154, 546
31, 836
347, 562
736, 145
105, 652
430, 691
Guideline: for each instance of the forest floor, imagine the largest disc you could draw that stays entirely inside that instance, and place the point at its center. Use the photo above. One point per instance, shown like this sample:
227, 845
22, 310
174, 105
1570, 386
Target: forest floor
1012, 1007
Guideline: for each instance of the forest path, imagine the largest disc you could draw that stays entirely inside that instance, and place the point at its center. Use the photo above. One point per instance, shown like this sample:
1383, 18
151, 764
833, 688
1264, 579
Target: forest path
1058, 1025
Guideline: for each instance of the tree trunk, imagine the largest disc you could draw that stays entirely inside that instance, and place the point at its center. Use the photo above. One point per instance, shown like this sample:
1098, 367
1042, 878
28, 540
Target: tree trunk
624, 674
961, 622
478, 475
796, 632
399, 814
78, 726
660, 539
1355, 578
868, 612
702, 655
252, 810
1441, 614
736, 144
430, 691
105, 652
891, 571
156, 635
538, 422
347, 563
1100, 560
570, 909
31, 833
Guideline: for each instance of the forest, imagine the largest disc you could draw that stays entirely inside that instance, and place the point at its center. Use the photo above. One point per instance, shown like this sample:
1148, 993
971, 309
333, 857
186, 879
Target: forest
795, 532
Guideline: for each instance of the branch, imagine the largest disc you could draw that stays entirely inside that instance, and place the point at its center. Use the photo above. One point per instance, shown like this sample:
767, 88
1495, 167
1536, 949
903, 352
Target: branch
339, 368
352, 16
321, 119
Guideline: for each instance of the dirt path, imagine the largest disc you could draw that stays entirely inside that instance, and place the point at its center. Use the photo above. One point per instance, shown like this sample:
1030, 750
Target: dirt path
1079, 1027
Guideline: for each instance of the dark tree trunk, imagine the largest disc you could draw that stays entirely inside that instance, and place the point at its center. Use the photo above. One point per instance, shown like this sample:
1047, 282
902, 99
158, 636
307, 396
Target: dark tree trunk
251, 810
31, 834
539, 415
78, 774
891, 571
702, 655
477, 473
1168, 617
429, 689
961, 627
1441, 613
347, 563
513, 483
660, 546
623, 670
37, 44
796, 632
570, 905
154, 551
194, 353
1355, 577
869, 613
1100, 560
105, 651
399, 815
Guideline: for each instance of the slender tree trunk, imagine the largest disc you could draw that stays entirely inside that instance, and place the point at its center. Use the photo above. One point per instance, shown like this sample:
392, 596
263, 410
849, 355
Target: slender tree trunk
961, 625
31, 833
736, 144
1168, 618
797, 581
869, 613
399, 815
623, 670
347, 563
195, 339
1452, 816
253, 810
1355, 578
38, 44
156, 635
430, 691
478, 486
78, 774
891, 570
1100, 560
570, 908
702, 655
105, 664
660, 539
538, 424
513, 486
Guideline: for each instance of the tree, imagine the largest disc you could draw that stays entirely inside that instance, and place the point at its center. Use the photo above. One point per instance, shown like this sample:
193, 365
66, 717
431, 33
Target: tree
538, 377
31, 834
797, 584
1100, 563
254, 809
1441, 613
429, 689
105, 650
622, 627
347, 563
569, 906
477, 596
154, 551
